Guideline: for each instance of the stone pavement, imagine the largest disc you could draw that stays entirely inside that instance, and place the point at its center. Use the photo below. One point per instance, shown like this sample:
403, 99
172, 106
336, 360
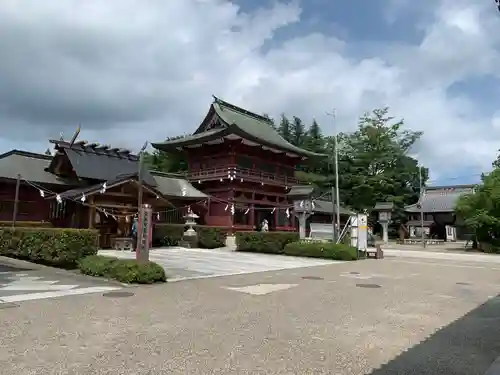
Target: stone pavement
469, 257
22, 281
378, 317
181, 263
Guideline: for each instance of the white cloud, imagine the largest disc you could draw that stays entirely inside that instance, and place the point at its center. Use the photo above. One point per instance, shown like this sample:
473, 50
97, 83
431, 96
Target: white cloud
130, 69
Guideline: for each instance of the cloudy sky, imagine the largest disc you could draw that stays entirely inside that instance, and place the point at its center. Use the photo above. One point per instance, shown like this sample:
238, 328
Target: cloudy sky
137, 70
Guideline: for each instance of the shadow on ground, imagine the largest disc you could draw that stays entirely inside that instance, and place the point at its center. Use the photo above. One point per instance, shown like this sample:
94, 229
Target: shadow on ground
9, 268
468, 346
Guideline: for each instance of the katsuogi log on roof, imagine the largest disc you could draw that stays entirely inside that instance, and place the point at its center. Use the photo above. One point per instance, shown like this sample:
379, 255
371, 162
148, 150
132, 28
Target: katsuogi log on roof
95, 162
225, 120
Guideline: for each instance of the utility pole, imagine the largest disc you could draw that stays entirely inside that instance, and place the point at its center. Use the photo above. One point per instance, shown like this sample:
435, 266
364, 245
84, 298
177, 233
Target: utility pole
421, 197
139, 256
335, 188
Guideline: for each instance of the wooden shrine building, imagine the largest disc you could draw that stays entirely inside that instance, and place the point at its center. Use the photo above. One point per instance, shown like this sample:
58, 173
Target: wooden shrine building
239, 160
88, 186
438, 207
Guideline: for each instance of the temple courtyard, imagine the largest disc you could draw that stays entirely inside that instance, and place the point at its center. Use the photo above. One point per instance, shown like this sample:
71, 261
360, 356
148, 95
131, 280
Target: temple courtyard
399, 315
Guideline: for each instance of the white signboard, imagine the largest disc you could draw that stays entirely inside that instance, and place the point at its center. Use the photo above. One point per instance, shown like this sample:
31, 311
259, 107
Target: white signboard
362, 232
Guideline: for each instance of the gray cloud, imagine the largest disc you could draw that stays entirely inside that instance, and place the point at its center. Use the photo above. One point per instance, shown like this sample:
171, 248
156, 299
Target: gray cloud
130, 70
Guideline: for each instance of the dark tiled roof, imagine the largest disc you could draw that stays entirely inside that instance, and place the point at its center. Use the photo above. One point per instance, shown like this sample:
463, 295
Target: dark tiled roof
31, 166
243, 123
176, 187
380, 206
300, 191
322, 206
168, 187
92, 189
95, 162
440, 199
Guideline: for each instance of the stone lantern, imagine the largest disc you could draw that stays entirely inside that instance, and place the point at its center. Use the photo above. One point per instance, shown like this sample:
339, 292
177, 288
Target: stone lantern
190, 237
384, 210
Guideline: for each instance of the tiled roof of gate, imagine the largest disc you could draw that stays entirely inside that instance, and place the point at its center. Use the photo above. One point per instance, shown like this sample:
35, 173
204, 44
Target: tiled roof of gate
30, 165
241, 121
440, 199
176, 187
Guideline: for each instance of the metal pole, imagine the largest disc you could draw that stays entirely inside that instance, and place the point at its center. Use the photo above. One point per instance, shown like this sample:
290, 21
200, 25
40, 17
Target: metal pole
337, 194
422, 235
335, 187
16, 201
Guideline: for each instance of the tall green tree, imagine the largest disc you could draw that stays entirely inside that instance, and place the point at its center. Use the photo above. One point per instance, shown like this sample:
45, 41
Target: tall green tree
314, 138
285, 128
481, 210
374, 165
298, 132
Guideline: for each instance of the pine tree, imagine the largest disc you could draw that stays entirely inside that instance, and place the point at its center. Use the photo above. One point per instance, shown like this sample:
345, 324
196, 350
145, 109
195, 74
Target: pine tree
271, 121
284, 128
315, 141
298, 132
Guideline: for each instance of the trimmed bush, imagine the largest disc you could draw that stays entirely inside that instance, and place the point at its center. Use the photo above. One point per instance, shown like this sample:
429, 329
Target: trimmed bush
50, 246
171, 234
124, 270
211, 237
326, 250
167, 234
265, 242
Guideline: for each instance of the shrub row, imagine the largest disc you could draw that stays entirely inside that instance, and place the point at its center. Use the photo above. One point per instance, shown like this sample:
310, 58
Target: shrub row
50, 246
171, 234
326, 250
264, 242
287, 243
124, 270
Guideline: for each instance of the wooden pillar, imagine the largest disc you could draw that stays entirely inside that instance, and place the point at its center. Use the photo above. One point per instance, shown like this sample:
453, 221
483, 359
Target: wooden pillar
252, 215
276, 212
92, 212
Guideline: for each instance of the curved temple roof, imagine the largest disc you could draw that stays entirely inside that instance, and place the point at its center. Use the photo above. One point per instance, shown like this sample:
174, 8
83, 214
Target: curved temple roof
238, 121
440, 199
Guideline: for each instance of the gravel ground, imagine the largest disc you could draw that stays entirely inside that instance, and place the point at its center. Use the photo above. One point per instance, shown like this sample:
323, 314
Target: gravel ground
427, 317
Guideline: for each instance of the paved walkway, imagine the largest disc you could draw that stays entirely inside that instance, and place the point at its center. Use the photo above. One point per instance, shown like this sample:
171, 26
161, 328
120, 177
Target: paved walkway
182, 264
18, 284
380, 317
465, 257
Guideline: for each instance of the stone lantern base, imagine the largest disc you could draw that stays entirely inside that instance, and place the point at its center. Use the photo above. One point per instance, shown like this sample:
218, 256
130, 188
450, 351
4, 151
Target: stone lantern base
189, 240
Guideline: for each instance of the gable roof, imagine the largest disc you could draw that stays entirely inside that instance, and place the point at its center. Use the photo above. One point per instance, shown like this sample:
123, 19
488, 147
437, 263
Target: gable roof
102, 163
174, 187
30, 165
440, 199
238, 121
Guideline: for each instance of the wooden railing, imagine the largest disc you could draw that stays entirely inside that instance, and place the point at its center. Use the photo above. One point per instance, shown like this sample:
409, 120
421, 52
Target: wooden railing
237, 173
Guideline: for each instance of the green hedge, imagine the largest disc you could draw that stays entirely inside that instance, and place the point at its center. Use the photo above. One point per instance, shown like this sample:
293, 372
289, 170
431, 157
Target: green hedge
124, 270
264, 242
326, 250
171, 234
27, 224
49, 246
